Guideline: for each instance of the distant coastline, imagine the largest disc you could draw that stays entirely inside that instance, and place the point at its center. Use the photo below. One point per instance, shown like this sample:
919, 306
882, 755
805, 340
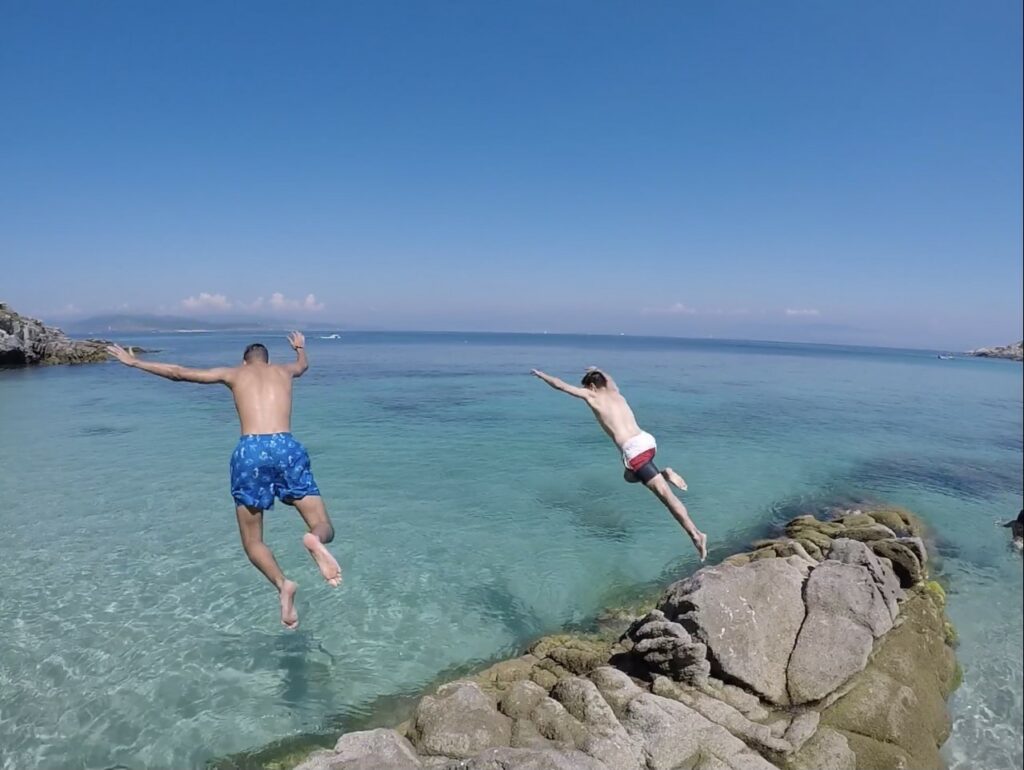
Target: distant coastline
1012, 352
129, 323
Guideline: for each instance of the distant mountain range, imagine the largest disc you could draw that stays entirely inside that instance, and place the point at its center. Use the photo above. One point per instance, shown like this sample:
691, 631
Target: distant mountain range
124, 322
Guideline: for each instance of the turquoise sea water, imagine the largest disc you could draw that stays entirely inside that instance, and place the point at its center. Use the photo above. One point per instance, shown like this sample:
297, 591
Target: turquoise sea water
475, 509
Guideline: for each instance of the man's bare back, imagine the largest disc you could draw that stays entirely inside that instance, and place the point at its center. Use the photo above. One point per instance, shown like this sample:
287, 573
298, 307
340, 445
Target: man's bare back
613, 413
268, 462
263, 396
638, 447
262, 390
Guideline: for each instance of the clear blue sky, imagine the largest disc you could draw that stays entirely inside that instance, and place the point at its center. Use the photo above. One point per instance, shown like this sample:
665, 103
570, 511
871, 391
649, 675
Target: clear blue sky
828, 171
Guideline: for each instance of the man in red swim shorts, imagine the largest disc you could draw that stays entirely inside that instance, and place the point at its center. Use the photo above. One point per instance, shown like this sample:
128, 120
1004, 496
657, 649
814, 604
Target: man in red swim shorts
638, 447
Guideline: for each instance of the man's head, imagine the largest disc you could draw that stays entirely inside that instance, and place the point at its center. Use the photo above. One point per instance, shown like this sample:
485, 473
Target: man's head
256, 353
594, 379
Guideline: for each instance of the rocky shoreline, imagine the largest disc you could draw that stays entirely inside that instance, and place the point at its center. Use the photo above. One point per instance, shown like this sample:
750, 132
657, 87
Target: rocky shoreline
27, 341
827, 648
1014, 352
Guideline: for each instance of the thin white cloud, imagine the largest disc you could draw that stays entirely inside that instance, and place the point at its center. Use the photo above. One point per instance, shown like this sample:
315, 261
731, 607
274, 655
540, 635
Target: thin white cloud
207, 301
676, 308
802, 311
279, 302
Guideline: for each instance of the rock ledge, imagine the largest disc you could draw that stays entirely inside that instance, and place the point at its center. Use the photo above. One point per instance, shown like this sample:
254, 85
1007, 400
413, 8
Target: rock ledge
824, 649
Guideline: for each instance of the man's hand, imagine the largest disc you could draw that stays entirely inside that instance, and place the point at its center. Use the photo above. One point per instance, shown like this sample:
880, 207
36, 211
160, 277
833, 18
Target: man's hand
538, 373
122, 355
299, 366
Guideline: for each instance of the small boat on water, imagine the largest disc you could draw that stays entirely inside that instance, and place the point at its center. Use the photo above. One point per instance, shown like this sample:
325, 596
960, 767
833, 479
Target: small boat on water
945, 358
331, 337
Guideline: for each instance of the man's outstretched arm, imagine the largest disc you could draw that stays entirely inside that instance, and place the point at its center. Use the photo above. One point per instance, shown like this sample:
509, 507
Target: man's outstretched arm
298, 342
172, 371
561, 385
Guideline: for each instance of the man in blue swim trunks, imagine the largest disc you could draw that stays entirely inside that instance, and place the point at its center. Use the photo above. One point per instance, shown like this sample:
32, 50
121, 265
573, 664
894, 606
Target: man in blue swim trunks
267, 462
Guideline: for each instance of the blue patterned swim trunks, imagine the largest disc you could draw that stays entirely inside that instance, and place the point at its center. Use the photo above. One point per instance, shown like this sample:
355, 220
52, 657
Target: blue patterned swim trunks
269, 465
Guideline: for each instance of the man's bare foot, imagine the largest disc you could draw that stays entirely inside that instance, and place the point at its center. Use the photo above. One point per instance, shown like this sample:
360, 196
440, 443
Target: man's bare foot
674, 479
701, 542
328, 565
289, 617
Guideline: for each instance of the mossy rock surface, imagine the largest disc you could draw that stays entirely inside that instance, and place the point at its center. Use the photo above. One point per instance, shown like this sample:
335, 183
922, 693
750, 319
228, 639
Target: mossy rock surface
905, 563
811, 535
869, 533
935, 590
898, 703
857, 520
814, 550
737, 560
879, 755
829, 528
903, 523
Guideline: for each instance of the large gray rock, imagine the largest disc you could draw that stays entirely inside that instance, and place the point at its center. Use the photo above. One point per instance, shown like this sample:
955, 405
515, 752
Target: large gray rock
674, 735
781, 630
460, 721
600, 734
371, 750
845, 613
858, 553
757, 736
521, 698
747, 616
616, 688
556, 724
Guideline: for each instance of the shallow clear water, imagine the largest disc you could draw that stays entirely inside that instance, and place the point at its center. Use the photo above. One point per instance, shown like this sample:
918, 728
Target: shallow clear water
475, 509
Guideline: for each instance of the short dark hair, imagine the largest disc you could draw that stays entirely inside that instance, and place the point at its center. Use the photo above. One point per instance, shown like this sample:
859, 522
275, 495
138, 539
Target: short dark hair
595, 378
256, 352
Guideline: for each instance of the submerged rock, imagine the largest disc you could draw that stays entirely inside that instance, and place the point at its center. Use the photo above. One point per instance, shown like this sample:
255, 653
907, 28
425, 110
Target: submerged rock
833, 660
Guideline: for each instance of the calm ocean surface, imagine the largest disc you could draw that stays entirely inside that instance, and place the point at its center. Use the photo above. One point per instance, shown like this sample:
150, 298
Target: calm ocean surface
475, 509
